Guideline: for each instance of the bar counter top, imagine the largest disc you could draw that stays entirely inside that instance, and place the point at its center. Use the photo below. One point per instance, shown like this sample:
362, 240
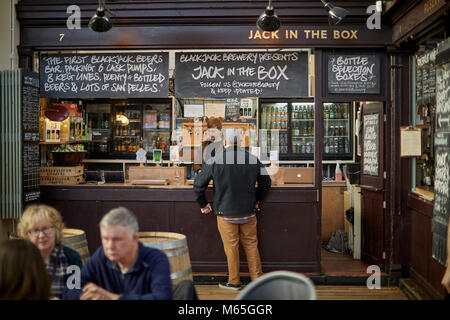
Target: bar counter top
187, 186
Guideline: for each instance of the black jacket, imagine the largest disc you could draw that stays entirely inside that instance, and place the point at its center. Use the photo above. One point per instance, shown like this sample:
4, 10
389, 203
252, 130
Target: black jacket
235, 173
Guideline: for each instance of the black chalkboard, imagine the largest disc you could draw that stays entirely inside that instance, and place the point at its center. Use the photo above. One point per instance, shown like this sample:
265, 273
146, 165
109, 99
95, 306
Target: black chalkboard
354, 74
104, 75
371, 152
31, 158
419, 87
432, 84
241, 74
442, 116
441, 203
232, 108
425, 84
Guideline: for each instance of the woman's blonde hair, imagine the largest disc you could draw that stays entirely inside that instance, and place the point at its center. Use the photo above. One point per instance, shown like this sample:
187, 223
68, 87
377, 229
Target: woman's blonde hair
35, 212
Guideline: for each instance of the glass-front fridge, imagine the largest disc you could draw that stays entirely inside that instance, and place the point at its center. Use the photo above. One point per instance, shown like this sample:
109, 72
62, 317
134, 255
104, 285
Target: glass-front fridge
292, 123
337, 131
142, 123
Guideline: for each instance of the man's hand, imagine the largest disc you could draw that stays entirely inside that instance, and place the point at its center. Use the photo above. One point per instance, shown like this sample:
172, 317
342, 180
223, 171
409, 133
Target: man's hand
93, 292
206, 209
446, 279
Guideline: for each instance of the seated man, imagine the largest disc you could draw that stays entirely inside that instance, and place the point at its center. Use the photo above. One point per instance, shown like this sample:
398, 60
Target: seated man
123, 268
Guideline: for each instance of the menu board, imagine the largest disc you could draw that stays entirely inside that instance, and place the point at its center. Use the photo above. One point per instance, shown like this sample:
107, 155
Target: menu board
426, 78
232, 108
241, 74
30, 137
104, 75
354, 74
441, 203
371, 144
419, 88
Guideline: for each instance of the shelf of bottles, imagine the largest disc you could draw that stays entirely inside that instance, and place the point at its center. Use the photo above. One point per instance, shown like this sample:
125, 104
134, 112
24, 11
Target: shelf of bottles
302, 128
336, 128
156, 127
274, 119
127, 133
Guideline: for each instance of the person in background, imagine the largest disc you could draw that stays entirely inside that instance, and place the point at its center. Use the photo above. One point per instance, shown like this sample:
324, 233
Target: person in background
43, 226
446, 279
236, 201
22, 272
123, 268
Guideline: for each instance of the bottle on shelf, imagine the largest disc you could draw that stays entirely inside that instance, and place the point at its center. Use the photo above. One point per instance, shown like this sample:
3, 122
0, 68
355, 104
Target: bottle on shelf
325, 112
332, 114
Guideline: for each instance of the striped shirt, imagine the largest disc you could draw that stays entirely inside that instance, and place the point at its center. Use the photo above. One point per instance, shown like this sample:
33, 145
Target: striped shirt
239, 220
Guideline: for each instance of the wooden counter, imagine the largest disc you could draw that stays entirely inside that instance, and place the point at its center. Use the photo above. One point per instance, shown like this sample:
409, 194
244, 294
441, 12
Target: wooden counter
288, 226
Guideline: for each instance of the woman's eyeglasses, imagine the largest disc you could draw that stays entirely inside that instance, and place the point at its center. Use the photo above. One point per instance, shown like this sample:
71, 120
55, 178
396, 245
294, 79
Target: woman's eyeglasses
35, 232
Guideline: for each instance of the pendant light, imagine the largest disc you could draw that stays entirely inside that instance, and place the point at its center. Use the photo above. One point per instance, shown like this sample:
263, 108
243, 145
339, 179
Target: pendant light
99, 22
335, 14
268, 20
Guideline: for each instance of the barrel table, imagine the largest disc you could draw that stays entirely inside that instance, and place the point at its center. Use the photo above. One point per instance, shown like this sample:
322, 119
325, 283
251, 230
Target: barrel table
174, 245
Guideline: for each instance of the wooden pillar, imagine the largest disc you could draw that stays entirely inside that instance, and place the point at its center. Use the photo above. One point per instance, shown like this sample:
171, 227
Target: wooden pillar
26, 58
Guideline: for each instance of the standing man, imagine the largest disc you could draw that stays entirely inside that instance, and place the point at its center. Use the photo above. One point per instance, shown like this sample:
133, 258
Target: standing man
236, 199
123, 268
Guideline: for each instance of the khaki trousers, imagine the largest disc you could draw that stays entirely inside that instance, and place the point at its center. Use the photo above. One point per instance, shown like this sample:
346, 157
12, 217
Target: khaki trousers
231, 233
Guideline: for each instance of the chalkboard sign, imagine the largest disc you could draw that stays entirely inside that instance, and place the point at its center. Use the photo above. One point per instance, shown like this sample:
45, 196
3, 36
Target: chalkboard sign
432, 84
232, 108
441, 203
425, 85
443, 99
426, 78
419, 87
241, 74
354, 74
371, 144
104, 75
31, 158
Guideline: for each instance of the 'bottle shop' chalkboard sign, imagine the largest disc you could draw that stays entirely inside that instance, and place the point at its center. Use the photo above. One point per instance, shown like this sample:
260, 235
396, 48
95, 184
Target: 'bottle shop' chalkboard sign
354, 74
104, 75
241, 74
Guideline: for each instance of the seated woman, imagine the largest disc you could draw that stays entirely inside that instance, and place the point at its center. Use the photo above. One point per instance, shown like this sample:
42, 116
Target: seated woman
43, 225
22, 272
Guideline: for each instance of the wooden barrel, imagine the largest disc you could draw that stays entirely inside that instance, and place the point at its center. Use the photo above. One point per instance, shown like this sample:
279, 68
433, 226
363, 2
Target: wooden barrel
174, 245
76, 240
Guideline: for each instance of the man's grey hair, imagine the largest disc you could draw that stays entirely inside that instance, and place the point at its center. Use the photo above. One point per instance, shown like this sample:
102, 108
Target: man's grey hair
232, 136
121, 216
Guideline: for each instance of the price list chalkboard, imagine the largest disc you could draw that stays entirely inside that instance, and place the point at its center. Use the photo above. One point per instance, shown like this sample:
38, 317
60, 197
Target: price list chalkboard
104, 75
354, 74
30, 137
426, 78
232, 108
371, 152
441, 203
419, 88
241, 74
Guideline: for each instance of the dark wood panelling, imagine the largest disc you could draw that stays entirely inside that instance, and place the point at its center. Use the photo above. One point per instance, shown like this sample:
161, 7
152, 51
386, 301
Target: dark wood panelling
288, 226
423, 268
372, 238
